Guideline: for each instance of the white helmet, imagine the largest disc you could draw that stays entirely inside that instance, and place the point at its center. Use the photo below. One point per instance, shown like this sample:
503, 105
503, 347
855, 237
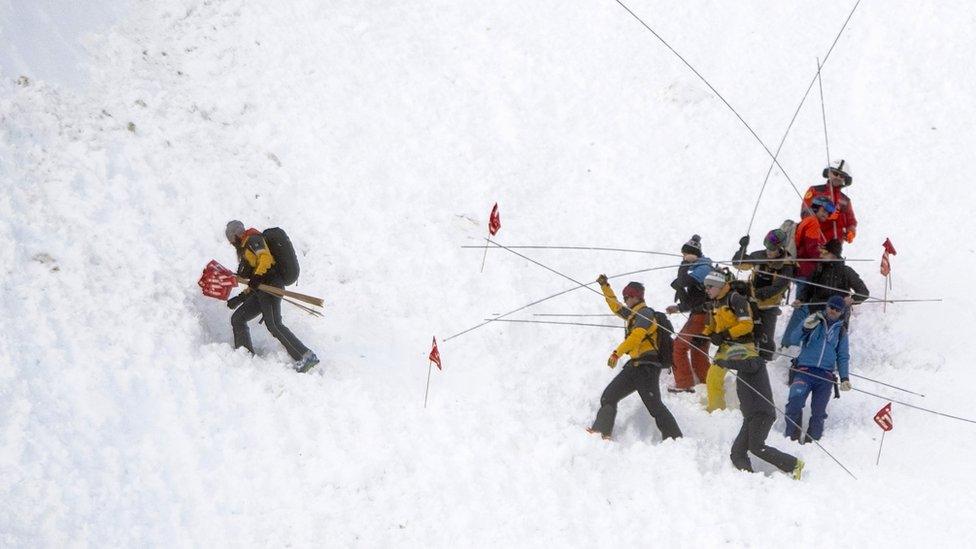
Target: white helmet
843, 167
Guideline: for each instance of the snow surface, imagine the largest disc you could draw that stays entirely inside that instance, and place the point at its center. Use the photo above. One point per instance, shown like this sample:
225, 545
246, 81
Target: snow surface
379, 134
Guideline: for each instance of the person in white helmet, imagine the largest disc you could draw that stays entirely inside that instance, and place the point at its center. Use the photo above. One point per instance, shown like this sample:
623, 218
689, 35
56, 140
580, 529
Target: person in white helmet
841, 224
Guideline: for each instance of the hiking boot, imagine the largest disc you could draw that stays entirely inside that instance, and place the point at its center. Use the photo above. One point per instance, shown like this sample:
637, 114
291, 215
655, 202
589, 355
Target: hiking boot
798, 469
307, 362
676, 389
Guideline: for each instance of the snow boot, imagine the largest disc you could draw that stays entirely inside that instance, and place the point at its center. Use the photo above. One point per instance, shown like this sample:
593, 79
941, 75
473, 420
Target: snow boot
307, 362
798, 469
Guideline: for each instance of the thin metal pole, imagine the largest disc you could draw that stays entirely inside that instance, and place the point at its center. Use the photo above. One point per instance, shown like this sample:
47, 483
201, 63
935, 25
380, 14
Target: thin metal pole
484, 257
561, 323
823, 110
792, 120
702, 78
536, 302
880, 446
430, 365
588, 248
627, 250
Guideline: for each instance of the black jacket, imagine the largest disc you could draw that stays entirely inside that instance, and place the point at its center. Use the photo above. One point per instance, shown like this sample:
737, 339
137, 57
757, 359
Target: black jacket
841, 279
764, 284
688, 292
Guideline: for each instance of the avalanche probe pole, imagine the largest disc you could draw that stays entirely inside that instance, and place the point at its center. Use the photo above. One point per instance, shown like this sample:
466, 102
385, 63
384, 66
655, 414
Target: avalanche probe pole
430, 365
880, 446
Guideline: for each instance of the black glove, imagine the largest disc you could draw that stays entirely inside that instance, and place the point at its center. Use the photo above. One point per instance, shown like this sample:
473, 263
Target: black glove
254, 282
602, 280
744, 241
718, 339
236, 301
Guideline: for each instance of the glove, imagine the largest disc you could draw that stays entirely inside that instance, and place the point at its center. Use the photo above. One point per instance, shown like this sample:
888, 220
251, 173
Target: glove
845, 384
744, 241
602, 280
812, 321
612, 361
851, 233
236, 301
671, 309
254, 282
718, 339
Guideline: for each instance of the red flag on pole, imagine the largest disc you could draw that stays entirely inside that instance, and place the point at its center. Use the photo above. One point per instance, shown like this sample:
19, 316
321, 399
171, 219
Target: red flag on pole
435, 355
883, 418
494, 221
885, 262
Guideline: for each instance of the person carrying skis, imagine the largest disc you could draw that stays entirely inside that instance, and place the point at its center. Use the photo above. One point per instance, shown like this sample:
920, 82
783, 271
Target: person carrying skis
766, 284
842, 224
824, 349
690, 366
729, 322
257, 264
641, 373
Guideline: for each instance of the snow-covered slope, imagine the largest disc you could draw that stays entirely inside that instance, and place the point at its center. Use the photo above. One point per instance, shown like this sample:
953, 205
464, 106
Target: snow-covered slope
378, 135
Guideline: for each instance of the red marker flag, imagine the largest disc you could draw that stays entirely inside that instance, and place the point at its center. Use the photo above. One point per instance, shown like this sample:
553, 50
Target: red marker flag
885, 262
494, 221
435, 355
883, 418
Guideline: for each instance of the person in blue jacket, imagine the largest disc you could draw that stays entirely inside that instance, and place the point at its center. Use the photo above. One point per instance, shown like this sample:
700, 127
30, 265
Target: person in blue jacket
824, 348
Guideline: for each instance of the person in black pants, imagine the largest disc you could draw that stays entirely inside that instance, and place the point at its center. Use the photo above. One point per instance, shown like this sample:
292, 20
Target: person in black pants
642, 372
257, 264
758, 413
642, 377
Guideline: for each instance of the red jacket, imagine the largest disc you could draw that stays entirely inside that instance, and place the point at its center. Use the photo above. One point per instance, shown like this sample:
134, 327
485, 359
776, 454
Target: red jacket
809, 241
841, 221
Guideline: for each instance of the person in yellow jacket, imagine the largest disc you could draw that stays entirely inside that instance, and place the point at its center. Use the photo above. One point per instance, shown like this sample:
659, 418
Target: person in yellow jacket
258, 265
729, 323
642, 372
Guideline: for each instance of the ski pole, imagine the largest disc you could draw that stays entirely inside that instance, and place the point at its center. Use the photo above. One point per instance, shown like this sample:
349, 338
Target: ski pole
738, 378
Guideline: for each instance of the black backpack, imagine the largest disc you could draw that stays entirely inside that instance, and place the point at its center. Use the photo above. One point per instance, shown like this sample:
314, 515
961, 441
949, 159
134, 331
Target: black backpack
286, 262
743, 288
665, 339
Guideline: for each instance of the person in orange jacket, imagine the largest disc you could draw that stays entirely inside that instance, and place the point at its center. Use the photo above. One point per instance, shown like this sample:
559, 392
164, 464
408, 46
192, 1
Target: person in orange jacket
841, 224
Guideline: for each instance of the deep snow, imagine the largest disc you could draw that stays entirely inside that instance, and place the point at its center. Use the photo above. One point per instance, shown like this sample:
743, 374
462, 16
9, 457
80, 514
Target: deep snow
379, 134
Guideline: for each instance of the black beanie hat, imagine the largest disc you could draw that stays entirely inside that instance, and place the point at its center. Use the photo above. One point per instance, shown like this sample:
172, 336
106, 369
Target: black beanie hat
835, 247
693, 246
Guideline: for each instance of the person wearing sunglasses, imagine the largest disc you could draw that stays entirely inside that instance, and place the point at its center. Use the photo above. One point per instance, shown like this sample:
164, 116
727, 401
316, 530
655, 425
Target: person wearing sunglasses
824, 350
842, 224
